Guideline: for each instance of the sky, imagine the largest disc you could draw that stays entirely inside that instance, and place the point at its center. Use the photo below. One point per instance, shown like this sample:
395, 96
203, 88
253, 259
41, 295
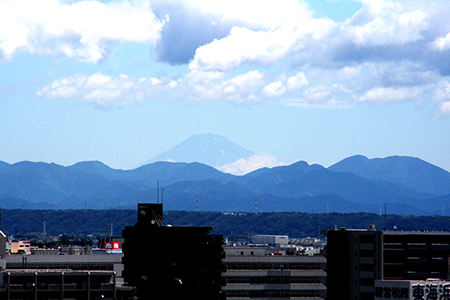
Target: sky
319, 81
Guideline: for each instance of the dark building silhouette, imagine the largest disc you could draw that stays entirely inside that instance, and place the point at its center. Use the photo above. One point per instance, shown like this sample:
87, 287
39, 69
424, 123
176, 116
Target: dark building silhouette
356, 258
165, 262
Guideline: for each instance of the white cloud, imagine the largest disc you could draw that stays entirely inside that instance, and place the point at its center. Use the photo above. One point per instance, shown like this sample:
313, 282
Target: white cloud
81, 30
254, 162
444, 109
104, 91
297, 81
390, 51
246, 46
274, 89
390, 94
387, 23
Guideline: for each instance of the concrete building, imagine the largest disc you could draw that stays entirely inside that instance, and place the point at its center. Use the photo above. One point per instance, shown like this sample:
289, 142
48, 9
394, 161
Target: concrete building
57, 284
254, 273
356, 258
22, 247
165, 262
71, 262
270, 239
55, 276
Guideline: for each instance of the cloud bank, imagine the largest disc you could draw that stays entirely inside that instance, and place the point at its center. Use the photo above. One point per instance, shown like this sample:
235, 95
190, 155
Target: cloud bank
239, 51
247, 165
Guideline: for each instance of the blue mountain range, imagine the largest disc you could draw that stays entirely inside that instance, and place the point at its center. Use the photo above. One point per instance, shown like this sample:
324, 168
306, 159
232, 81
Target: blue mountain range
399, 184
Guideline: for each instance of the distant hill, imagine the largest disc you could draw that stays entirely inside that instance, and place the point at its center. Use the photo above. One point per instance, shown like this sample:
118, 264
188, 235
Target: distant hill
353, 185
210, 149
409, 171
9, 202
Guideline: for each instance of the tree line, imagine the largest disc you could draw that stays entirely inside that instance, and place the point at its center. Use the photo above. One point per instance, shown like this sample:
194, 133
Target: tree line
21, 222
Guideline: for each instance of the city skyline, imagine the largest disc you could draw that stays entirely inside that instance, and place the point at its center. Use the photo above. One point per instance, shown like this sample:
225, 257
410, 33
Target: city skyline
123, 81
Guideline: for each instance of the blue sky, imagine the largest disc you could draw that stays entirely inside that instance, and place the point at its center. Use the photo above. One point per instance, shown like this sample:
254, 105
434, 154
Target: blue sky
123, 81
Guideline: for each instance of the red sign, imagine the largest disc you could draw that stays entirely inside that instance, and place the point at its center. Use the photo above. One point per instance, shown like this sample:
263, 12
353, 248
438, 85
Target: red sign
112, 245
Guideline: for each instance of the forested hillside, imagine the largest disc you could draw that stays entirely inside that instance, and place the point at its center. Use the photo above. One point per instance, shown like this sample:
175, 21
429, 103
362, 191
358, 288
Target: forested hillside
19, 222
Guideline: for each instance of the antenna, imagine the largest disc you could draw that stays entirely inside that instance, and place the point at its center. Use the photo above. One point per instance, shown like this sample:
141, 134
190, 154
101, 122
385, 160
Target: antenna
256, 206
157, 191
44, 233
385, 217
162, 195
108, 234
196, 204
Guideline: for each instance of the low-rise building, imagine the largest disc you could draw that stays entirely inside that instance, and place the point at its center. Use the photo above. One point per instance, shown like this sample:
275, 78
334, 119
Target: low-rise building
257, 273
270, 239
57, 284
22, 247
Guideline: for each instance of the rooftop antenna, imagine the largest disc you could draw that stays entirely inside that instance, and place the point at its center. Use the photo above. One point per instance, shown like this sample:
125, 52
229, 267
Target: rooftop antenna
385, 217
162, 195
256, 206
44, 233
157, 191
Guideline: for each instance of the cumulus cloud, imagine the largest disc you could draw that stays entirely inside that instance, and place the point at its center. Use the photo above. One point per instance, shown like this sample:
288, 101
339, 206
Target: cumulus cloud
390, 94
80, 30
105, 91
254, 162
390, 51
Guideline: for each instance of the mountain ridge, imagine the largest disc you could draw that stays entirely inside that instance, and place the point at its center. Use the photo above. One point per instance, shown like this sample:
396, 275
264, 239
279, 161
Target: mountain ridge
407, 185
410, 171
298, 186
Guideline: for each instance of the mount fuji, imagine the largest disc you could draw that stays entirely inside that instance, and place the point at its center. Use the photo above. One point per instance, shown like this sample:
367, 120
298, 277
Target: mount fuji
210, 149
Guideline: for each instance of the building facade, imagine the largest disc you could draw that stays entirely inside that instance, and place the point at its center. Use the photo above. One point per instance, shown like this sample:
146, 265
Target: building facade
57, 284
356, 258
271, 239
253, 273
